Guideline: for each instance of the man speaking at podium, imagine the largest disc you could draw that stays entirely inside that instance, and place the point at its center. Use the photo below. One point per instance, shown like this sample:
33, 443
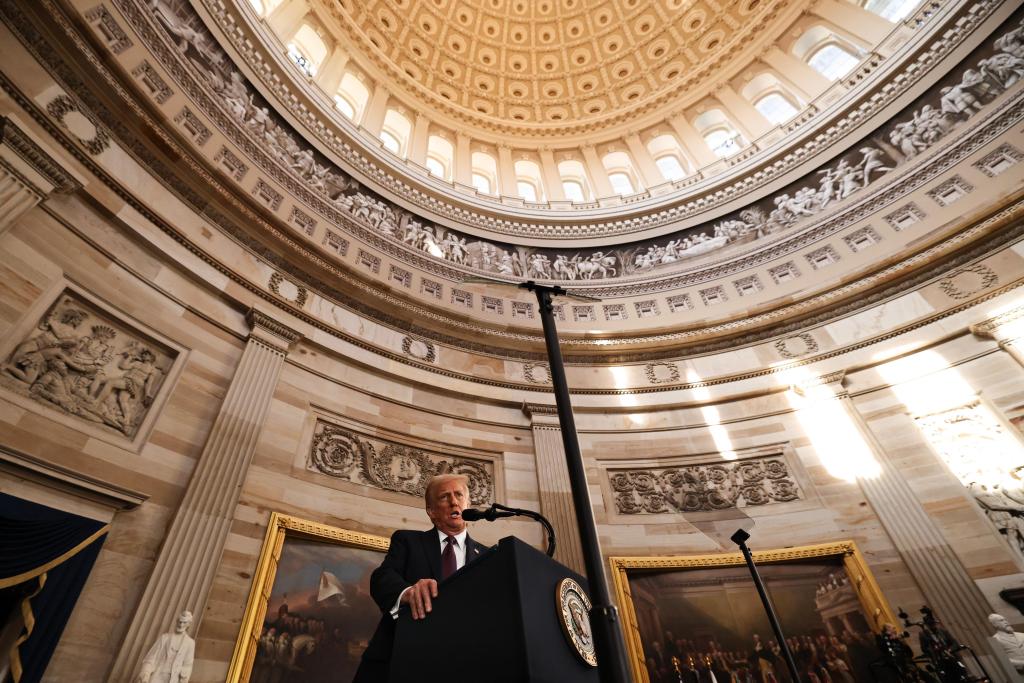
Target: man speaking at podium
413, 566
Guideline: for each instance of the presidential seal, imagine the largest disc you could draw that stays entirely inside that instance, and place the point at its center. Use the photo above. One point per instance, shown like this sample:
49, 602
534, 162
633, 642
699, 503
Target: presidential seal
573, 610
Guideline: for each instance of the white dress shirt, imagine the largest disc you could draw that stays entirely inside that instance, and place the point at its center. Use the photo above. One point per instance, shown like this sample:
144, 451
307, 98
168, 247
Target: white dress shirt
460, 559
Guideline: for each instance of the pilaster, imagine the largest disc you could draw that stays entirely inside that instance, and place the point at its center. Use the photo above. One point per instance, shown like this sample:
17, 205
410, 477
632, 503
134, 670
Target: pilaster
420, 140
752, 123
507, 172
599, 182
692, 142
463, 159
552, 178
644, 161
287, 17
798, 72
373, 118
188, 560
865, 28
553, 481
947, 586
332, 71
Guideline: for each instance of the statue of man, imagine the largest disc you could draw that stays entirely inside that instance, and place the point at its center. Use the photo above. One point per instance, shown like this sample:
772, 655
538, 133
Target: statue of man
1012, 642
170, 658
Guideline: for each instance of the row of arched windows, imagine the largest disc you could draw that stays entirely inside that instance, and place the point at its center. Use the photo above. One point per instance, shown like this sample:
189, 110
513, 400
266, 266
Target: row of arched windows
822, 49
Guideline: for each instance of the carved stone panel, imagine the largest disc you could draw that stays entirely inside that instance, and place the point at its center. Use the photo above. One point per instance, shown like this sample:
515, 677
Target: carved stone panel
705, 487
341, 452
84, 362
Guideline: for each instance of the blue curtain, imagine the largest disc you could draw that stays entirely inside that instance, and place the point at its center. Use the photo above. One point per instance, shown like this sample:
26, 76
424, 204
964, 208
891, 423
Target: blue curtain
49, 554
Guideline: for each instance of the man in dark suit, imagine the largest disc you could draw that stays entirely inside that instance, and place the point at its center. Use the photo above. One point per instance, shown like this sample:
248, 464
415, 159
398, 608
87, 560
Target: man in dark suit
413, 566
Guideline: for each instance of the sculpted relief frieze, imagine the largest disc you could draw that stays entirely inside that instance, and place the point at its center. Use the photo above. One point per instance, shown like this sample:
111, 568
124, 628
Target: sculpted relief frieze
343, 453
996, 66
704, 487
88, 364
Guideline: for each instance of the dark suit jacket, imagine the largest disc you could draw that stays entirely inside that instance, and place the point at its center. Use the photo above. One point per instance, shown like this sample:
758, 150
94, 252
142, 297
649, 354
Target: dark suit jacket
413, 555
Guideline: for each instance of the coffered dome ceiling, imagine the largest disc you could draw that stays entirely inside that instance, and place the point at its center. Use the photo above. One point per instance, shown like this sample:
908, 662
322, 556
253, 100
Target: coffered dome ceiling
530, 65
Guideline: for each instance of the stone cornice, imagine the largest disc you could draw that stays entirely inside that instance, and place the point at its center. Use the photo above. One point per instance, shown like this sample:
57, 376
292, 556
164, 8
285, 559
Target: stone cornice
14, 138
270, 330
991, 327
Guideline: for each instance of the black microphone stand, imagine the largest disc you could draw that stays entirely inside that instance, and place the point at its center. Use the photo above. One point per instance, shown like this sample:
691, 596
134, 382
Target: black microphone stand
497, 510
604, 618
740, 538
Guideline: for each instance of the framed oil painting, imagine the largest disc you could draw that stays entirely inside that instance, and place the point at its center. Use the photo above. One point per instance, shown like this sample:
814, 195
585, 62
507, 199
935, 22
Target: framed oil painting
310, 614
693, 617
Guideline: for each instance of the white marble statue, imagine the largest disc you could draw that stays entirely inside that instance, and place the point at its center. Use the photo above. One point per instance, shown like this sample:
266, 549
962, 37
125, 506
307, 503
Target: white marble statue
1012, 642
170, 658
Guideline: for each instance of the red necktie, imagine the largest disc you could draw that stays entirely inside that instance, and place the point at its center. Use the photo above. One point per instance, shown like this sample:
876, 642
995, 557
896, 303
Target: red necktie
448, 564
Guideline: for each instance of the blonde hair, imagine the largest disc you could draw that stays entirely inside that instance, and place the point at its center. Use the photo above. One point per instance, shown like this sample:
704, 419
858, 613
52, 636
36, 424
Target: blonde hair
440, 479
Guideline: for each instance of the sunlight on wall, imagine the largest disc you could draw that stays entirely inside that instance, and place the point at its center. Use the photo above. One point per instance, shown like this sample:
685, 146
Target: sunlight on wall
719, 433
973, 442
620, 376
835, 437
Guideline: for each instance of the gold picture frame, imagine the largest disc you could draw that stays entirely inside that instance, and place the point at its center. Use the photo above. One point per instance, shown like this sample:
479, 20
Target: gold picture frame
280, 530
873, 603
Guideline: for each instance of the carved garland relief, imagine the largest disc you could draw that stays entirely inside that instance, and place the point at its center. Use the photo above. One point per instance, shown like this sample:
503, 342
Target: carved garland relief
705, 487
87, 364
340, 452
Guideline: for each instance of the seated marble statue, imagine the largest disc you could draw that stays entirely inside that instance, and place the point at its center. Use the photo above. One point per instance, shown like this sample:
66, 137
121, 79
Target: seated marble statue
1012, 642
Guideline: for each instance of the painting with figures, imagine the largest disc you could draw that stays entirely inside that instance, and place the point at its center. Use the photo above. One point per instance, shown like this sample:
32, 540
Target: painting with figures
702, 622
319, 615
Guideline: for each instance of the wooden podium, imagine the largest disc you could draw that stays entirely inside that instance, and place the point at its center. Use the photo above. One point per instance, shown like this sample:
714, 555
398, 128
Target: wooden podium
495, 620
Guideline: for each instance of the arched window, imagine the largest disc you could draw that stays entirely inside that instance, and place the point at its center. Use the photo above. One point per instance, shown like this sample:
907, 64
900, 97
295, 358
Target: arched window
670, 167
573, 191
440, 154
621, 183
264, 7
574, 180
352, 97
391, 142
719, 134
526, 190
484, 173
529, 185
776, 108
668, 156
621, 174
832, 61
395, 132
482, 183
723, 142
893, 10
307, 49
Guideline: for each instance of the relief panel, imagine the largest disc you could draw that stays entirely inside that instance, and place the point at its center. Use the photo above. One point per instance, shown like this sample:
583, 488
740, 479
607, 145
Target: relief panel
87, 363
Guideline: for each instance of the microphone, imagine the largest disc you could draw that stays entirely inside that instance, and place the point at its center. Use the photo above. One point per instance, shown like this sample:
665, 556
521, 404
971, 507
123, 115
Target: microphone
497, 510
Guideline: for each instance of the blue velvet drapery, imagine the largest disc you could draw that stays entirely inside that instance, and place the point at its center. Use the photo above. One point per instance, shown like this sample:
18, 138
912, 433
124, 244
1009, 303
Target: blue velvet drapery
49, 553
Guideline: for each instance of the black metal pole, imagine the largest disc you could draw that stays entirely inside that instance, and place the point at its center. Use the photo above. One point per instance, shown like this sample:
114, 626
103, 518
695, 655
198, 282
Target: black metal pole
604, 618
740, 539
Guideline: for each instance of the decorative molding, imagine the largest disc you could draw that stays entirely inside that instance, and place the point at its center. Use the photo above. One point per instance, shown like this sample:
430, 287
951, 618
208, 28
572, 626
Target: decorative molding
990, 327
195, 127
534, 410
343, 453
662, 373
954, 287
785, 346
420, 349
62, 105
14, 138
706, 487
20, 464
998, 160
258, 320
153, 81
114, 36
530, 368
288, 290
